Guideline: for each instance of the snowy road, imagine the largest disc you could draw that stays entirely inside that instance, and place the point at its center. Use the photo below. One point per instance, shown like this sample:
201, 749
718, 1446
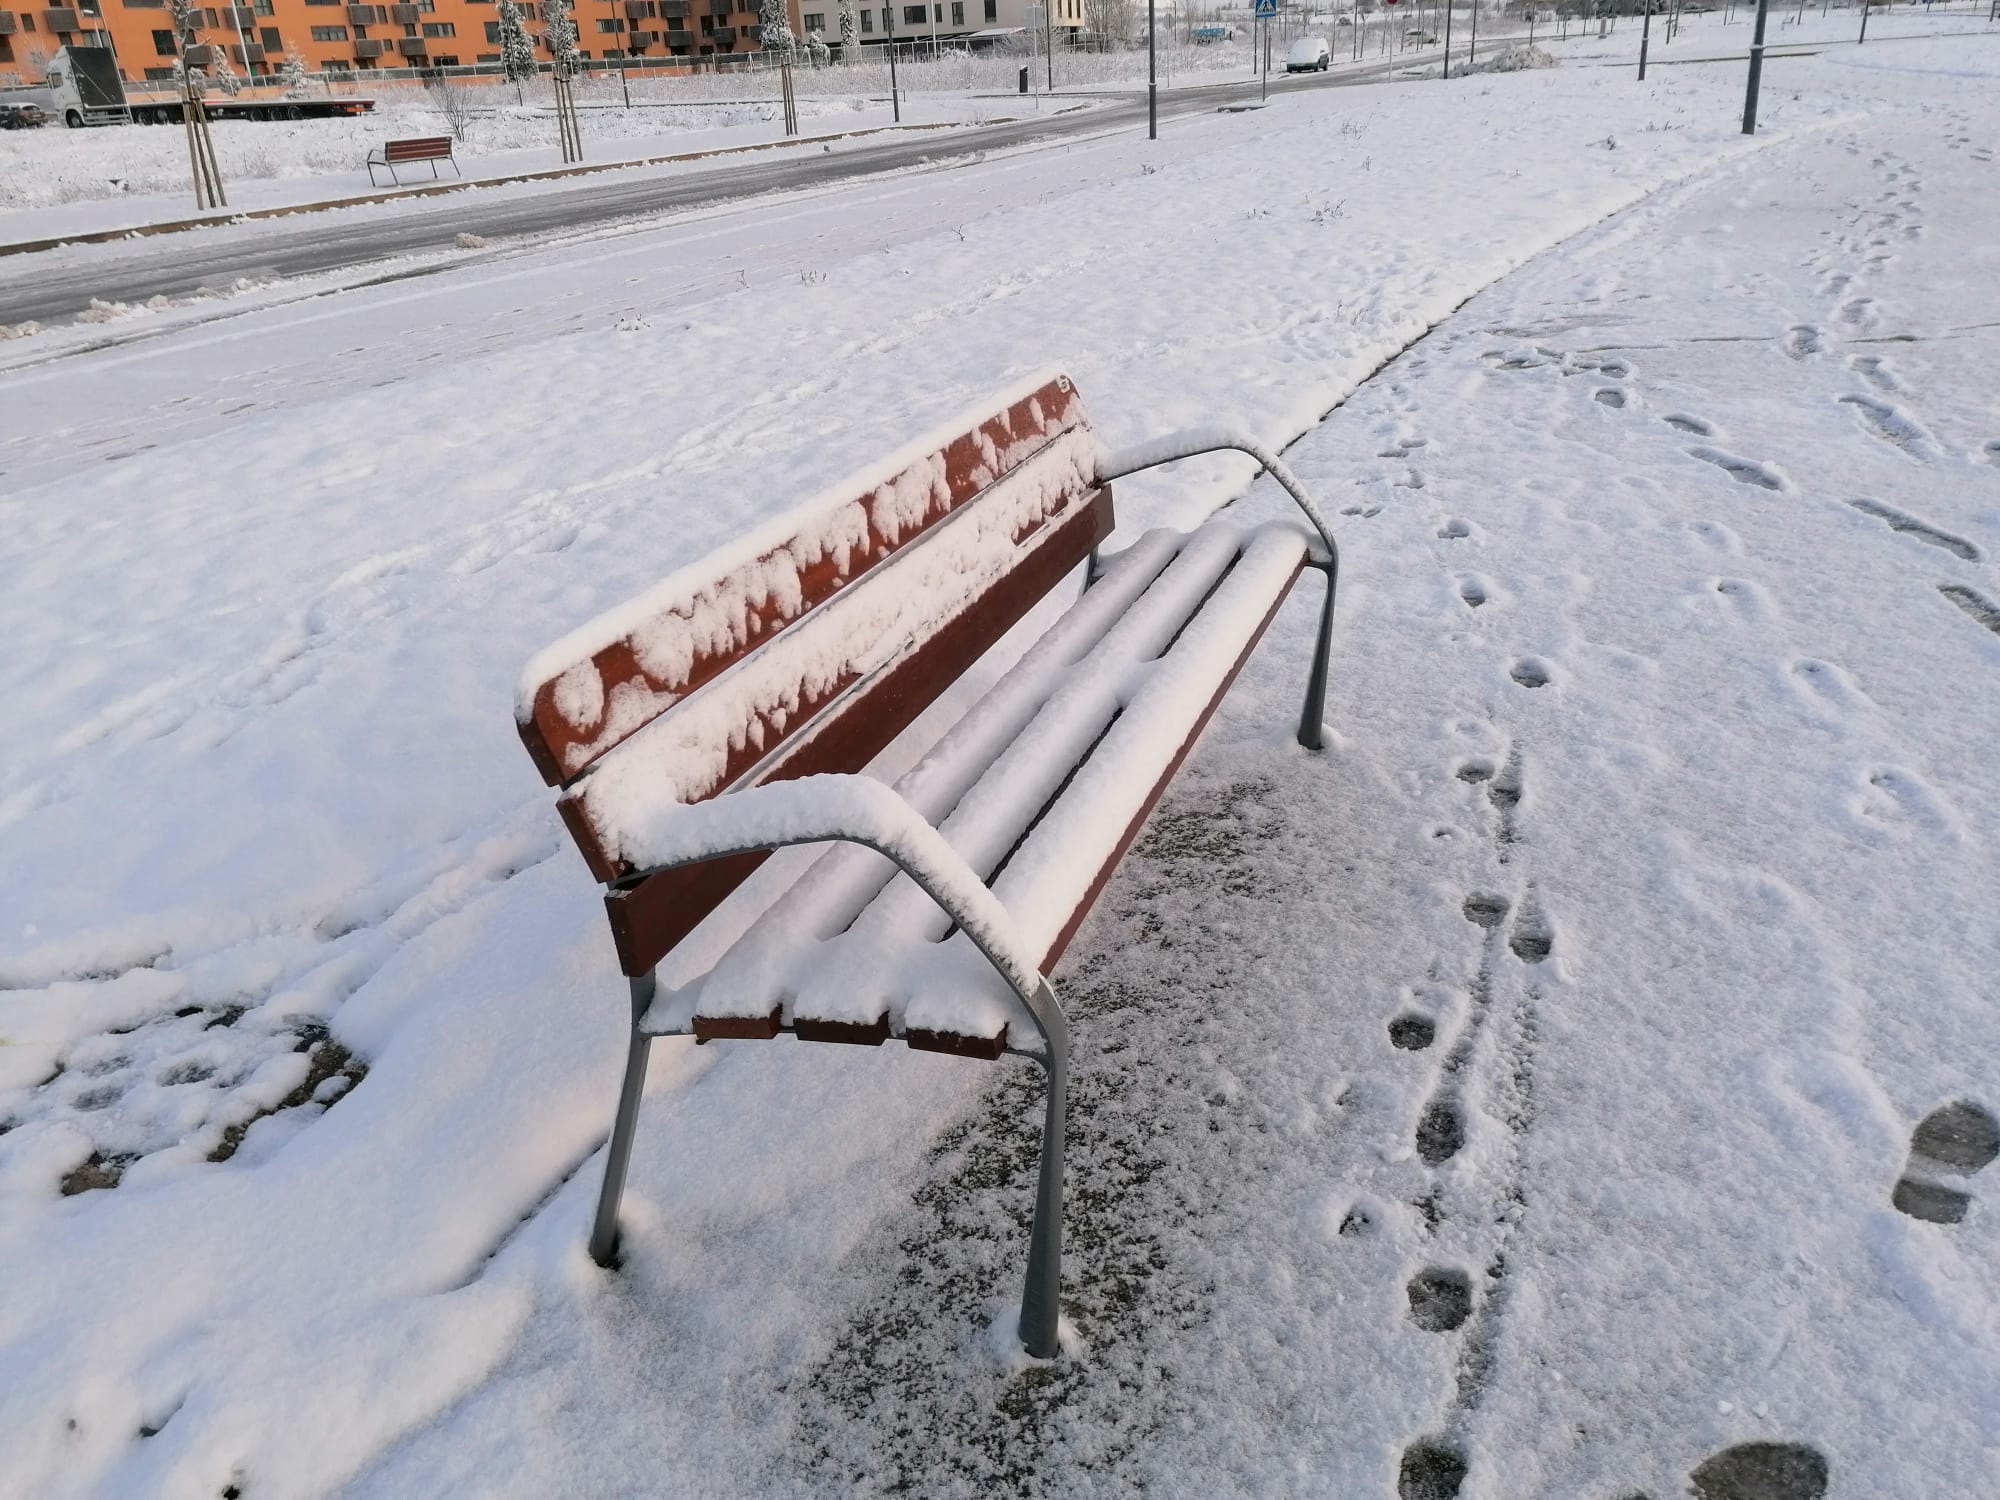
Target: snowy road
133, 272
1506, 1104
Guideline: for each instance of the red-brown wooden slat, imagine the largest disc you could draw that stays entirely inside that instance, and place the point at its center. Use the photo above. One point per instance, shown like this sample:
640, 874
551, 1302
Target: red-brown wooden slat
426, 148
563, 750
648, 918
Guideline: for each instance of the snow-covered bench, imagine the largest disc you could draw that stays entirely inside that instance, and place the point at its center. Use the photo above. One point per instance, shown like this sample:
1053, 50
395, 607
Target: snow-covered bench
731, 710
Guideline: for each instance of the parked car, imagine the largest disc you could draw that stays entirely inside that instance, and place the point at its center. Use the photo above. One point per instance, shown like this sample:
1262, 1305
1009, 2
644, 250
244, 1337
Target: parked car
21, 114
1420, 39
1309, 54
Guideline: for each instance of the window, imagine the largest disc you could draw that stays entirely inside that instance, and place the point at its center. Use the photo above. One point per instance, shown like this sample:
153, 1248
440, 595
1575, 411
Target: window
868, 21
958, 12
937, 11
264, 8
273, 43
163, 44
612, 25
916, 15
440, 28
707, 27
159, 75
992, 10
329, 33
677, 23
493, 32
815, 20
335, 65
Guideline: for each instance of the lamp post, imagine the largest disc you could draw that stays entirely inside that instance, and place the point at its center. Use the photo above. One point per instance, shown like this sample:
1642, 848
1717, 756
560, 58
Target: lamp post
1152, 80
1447, 38
1756, 70
1645, 38
1864, 21
895, 98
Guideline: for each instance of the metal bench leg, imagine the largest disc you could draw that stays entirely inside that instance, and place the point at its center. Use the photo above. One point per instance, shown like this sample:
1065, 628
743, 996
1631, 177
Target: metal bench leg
604, 1232
1311, 732
1041, 1303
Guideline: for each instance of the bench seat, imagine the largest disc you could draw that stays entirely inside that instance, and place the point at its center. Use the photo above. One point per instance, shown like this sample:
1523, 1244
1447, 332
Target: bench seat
1039, 789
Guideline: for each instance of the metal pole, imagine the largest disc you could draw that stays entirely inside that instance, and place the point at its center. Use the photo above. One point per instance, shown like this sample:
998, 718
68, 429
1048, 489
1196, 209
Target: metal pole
1447, 38
895, 98
1756, 70
1472, 52
1645, 38
1152, 80
1049, 40
1864, 21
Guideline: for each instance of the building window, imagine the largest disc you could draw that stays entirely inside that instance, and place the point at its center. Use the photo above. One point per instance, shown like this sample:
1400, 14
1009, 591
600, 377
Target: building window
916, 15
329, 33
992, 10
958, 12
815, 21
335, 65
707, 28
868, 22
163, 44
440, 28
493, 32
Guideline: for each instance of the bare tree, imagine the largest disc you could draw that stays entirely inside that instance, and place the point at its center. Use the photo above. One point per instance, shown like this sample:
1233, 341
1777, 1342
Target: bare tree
1111, 20
454, 102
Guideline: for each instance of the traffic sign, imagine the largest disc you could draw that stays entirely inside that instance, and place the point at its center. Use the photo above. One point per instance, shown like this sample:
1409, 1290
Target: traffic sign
1266, 9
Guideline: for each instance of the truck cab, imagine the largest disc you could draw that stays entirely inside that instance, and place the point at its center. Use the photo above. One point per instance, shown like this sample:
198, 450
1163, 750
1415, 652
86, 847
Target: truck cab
81, 87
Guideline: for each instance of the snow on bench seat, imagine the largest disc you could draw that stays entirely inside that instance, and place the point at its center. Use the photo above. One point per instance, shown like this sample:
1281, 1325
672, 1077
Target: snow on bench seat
1039, 790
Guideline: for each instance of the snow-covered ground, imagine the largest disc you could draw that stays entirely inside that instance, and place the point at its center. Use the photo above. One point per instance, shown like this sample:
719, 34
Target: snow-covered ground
1520, 1085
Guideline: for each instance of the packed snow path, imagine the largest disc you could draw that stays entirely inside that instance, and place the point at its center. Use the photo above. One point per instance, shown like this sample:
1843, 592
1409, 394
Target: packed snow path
1520, 1089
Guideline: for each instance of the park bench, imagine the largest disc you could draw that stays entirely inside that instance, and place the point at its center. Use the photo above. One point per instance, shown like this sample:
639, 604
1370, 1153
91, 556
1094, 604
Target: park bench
730, 711
394, 154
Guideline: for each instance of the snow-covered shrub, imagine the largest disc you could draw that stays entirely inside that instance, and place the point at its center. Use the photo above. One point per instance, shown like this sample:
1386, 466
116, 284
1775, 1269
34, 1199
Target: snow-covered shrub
777, 31
1516, 60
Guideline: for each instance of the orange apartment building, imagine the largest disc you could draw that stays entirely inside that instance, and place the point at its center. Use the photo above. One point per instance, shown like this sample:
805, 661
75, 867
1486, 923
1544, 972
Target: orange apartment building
333, 36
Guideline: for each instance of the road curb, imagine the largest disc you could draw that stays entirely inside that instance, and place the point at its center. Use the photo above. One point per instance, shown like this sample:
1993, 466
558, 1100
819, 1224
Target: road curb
432, 190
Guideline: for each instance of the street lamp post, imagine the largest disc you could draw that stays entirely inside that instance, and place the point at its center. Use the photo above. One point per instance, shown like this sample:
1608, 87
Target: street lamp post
1645, 38
1864, 21
1152, 79
1756, 70
895, 98
1447, 38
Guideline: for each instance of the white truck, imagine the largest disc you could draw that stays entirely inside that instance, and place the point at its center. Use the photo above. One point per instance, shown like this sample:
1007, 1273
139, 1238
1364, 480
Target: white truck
82, 87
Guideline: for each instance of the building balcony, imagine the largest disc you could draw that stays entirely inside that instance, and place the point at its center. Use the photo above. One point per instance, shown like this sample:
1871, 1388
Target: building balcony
7, 23
725, 36
406, 15
239, 15
62, 20
364, 15
412, 46
247, 55
675, 8
371, 49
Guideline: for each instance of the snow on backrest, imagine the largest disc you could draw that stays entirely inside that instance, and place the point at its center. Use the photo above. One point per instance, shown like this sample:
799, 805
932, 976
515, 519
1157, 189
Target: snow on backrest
747, 623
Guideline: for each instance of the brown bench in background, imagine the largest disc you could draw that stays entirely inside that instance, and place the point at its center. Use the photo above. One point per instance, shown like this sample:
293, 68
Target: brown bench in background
727, 714
394, 154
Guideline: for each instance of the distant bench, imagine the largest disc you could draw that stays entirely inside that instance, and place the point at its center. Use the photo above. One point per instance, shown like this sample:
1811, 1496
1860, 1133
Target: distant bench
394, 154
728, 712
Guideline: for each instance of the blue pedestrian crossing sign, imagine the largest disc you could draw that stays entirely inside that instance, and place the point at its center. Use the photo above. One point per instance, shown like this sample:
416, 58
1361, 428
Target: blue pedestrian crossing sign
1266, 9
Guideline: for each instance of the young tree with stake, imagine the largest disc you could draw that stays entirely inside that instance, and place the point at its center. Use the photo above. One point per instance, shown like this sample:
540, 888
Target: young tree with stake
517, 48
776, 30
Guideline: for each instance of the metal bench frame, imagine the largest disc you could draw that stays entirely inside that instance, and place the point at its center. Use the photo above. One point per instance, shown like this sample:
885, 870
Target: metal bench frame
380, 158
1041, 1302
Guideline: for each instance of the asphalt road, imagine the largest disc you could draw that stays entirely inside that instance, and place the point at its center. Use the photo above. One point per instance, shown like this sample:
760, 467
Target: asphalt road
178, 264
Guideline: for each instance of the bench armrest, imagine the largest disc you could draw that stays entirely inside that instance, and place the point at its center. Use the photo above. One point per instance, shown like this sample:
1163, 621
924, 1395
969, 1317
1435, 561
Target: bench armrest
1193, 441
838, 809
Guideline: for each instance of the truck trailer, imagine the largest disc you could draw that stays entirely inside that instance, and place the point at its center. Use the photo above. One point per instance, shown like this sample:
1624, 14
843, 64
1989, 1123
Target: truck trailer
82, 87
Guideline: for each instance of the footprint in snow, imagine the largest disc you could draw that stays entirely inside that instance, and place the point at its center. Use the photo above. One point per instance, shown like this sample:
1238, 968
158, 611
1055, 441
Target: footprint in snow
1804, 340
1454, 530
1612, 397
1875, 370
1893, 795
1717, 536
1953, 1141
1531, 672
1440, 1299
1824, 685
1762, 1471
1474, 590
1430, 1471
1743, 599
1923, 531
1742, 470
1532, 939
1410, 1032
1974, 603
1682, 422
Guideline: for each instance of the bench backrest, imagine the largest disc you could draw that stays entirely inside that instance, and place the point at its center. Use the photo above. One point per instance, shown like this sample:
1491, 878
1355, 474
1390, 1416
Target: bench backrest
417, 148
810, 645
